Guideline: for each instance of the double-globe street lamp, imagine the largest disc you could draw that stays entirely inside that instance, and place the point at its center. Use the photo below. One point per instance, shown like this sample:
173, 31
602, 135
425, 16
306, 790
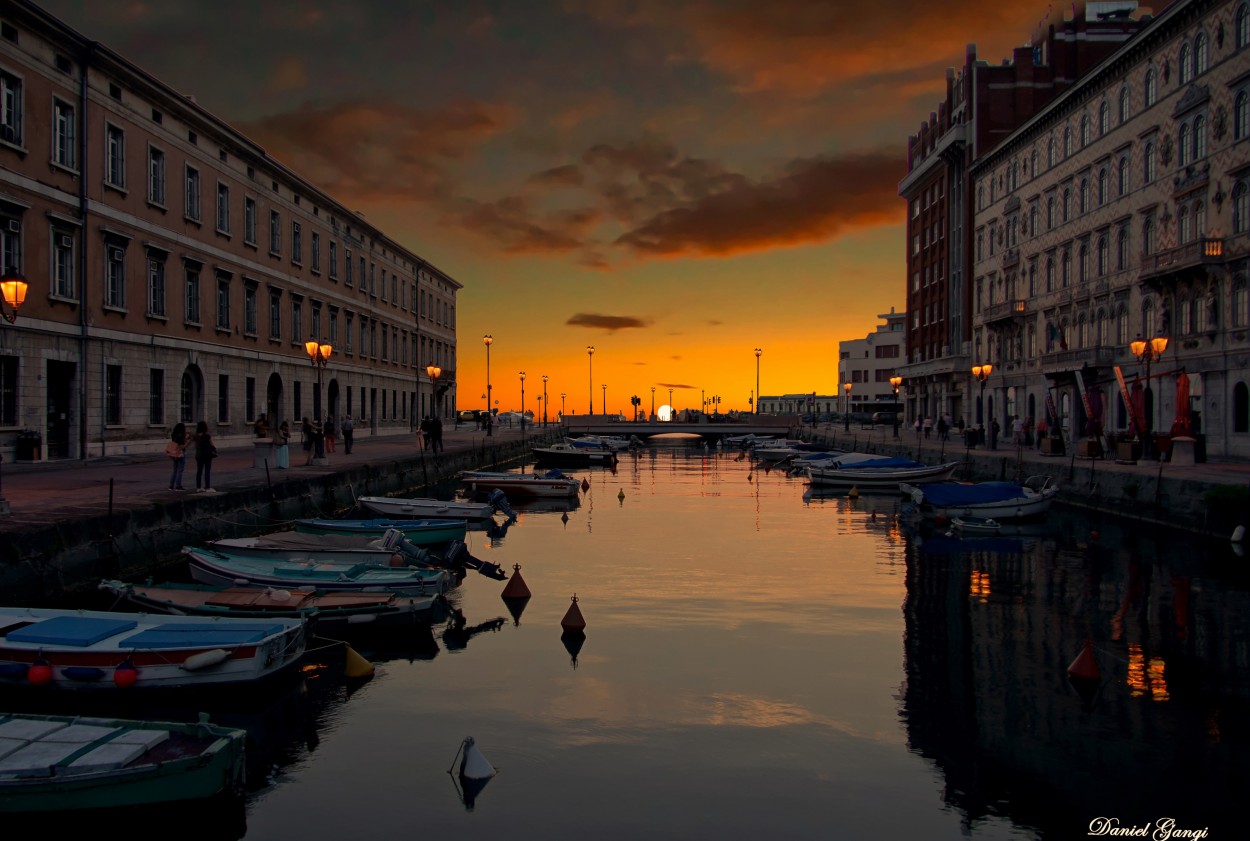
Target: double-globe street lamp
590, 381
522, 401
488, 340
319, 356
434, 372
1148, 352
605, 400
896, 381
846, 417
982, 373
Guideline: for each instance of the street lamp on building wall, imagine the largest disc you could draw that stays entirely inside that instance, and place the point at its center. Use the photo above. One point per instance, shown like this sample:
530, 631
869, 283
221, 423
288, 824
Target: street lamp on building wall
896, 381
590, 380
13, 286
1148, 352
846, 387
982, 373
758, 352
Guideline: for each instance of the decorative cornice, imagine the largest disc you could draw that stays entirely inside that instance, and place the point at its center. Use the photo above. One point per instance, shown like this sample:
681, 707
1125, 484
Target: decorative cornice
1196, 96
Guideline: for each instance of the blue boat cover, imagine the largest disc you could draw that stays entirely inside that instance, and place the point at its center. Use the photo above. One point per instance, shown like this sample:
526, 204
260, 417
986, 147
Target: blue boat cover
322, 572
893, 463
176, 635
71, 630
942, 494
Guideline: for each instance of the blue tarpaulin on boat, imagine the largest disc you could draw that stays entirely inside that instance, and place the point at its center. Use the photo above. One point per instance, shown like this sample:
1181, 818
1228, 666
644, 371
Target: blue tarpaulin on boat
71, 630
200, 636
891, 463
954, 493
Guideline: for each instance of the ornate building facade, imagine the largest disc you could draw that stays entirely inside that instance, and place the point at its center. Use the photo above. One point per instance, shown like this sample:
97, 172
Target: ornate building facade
175, 270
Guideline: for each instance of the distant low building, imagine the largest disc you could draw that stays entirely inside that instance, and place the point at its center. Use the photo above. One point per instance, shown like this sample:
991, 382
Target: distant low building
869, 363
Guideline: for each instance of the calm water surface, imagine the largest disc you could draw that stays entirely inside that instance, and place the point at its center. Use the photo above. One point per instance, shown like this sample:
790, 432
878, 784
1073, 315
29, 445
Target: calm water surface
758, 664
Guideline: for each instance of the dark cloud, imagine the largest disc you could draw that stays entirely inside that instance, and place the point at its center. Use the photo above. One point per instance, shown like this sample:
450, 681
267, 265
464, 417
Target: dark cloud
674, 386
515, 226
611, 323
567, 176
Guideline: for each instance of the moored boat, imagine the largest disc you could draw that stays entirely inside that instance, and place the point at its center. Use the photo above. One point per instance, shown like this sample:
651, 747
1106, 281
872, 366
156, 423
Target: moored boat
209, 566
880, 474
105, 650
54, 763
438, 509
418, 532
997, 500
551, 483
568, 455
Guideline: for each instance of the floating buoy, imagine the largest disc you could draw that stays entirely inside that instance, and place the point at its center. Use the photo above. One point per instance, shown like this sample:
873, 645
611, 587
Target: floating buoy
1093, 536
585, 484
854, 494
621, 494
573, 620
125, 675
1085, 666
473, 766
1239, 534
355, 666
516, 587
40, 673
564, 518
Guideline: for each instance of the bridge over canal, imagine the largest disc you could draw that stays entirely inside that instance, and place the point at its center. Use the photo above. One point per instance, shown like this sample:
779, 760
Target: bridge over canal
775, 425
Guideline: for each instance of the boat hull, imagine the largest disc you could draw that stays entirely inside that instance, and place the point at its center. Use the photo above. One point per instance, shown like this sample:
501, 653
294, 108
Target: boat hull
521, 484
222, 570
418, 532
886, 479
427, 508
1029, 504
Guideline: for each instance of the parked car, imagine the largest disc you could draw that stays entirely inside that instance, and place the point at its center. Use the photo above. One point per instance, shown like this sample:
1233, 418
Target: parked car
469, 415
889, 418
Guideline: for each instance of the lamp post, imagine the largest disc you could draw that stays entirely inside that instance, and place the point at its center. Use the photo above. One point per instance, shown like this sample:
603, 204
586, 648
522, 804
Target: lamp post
522, 401
1148, 352
13, 286
590, 382
319, 356
846, 417
544, 399
758, 352
434, 373
982, 373
605, 400
488, 340
896, 381
652, 404
671, 413
562, 396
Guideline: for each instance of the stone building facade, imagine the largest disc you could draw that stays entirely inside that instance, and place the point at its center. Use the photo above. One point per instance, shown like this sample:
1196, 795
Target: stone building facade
176, 270
869, 363
1119, 212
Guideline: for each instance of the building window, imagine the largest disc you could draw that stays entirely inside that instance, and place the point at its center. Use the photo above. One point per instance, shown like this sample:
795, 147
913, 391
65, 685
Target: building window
297, 243
1150, 164
249, 220
1200, 137
223, 398
1104, 119
223, 303
275, 232
191, 295
113, 395
1148, 236
1184, 230
1200, 54
64, 283
1241, 27
156, 176
334, 327
156, 396
347, 331
114, 157
191, 208
1126, 105
1241, 408
250, 316
223, 208
1184, 66
1123, 180
347, 267
10, 108
156, 283
1102, 186
297, 320
362, 276
332, 257
63, 148
1121, 250
249, 397
114, 276
1150, 89
1200, 219
1083, 197
316, 252
1241, 208
1240, 316
1102, 254
275, 315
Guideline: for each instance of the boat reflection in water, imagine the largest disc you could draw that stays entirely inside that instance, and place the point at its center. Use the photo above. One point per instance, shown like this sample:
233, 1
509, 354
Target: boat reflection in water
991, 625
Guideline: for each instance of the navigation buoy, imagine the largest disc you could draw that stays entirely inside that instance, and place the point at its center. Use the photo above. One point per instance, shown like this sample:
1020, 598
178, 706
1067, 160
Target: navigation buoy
854, 494
473, 766
355, 666
573, 620
516, 587
125, 675
1085, 666
585, 484
621, 495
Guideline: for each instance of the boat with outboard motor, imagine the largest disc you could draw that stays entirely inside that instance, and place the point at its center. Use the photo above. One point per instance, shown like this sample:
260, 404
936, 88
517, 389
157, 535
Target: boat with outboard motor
999, 501
568, 455
418, 532
438, 509
879, 474
222, 569
551, 483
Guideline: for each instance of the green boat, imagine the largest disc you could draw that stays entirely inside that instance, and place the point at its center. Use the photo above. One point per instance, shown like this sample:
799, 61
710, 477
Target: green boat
51, 763
418, 532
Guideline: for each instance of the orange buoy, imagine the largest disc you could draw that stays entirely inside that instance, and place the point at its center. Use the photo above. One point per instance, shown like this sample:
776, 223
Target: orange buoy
125, 675
516, 587
1085, 666
40, 672
573, 620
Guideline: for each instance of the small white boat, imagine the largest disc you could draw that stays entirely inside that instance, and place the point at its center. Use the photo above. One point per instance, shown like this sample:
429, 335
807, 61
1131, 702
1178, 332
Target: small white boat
976, 525
222, 569
569, 455
881, 474
552, 483
997, 500
95, 650
436, 509
616, 443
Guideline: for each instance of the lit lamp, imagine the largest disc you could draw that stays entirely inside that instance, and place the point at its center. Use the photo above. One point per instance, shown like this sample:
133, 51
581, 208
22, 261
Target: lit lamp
13, 286
544, 399
846, 387
562, 396
896, 381
319, 356
982, 373
1148, 352
522, 401
653, 404
488, 340
434, 372
605, 400
758, 352
590, 382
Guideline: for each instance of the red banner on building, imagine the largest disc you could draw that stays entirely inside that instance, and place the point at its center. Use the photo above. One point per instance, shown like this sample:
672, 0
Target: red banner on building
1137, 425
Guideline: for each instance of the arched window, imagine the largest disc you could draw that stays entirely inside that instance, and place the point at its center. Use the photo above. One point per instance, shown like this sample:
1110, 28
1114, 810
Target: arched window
1121, 326
1241, 29
1121, 250
1150, 89
1241, 316
1184, 153
1050, 274
1084, 130
1126, 105
1050, 213
1241, 116
1200, 219
1149, 163
1184, 65
1123, 180
1050, 152
1148, 236
1083, 197
1082, 332
1183, 229
1033, 221
1032, 173
1101, 261
1067, 203
1148, 318
1082, 266
1102, 186
1067, 142
1241, 208
1241, 408
1066, 268
1200, 54
1104, 119
1185, 310
1200, 137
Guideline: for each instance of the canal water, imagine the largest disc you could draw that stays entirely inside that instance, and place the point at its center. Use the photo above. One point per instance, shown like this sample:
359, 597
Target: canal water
761, 663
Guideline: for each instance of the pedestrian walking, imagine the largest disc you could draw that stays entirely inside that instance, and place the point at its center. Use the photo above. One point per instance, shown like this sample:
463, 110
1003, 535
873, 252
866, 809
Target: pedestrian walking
176, 449
348, 428
423, 433
942, 428
205, 452
306, 439
994, 430
436, 427
281, 446
328, 430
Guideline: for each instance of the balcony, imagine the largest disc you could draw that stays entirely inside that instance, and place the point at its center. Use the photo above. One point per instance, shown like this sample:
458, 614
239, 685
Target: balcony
1189, 260
1006, 311
1059, 361
1011, 258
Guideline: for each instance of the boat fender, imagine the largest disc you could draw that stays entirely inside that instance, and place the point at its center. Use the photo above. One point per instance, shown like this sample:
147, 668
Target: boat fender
205, 659
40, 673
83, 673
397, 560
125, 675
1239, 534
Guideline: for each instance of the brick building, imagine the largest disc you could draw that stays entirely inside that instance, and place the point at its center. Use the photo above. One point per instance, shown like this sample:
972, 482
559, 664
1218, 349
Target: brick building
176, 270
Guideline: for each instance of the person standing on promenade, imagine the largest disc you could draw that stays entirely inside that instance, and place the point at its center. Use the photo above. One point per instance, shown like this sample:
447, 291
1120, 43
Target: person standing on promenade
348, 428
423, 433
306, 439
281, 448
318, 440
328, 429
205, 452
176, 449
436, 430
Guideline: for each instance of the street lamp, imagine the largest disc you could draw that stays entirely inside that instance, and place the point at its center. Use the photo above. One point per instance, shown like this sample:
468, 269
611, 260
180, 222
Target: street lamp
671, 413
488, 340
896, 381
544, 399
522, 401
13, 286
982, 373
846, 417
1147, 352
434, 373
590, 387
562, 414
319, 356
758, 351
605, 400
653, 404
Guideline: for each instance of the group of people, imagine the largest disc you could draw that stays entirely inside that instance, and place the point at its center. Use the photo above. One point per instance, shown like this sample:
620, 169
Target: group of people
430, 434
201, 444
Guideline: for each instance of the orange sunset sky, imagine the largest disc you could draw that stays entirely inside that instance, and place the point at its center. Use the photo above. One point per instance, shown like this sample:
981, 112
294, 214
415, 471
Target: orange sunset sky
675, 183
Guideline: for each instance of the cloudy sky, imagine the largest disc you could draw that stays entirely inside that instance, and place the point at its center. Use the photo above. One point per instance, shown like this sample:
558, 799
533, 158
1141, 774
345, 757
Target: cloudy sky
675, 182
